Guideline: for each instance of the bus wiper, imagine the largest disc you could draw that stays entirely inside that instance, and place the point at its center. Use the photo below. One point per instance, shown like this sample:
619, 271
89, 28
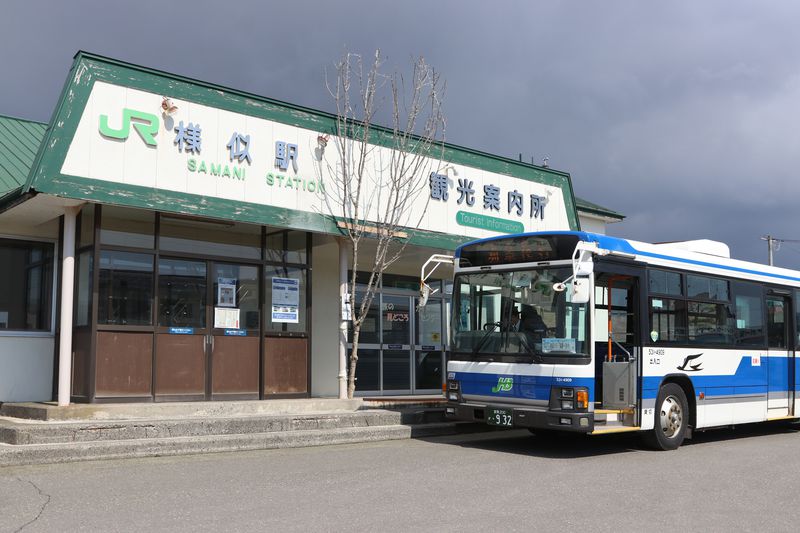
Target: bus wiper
485, 337
535, 357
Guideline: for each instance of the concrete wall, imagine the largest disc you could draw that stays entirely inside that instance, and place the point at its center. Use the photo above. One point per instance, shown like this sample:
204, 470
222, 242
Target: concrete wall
325, 317
26, 368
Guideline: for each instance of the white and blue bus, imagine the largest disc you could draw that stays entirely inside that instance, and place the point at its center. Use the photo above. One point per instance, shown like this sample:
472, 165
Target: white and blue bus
572, 331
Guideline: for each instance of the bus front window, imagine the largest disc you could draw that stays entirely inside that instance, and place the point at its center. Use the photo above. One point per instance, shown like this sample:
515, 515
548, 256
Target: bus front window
517, 313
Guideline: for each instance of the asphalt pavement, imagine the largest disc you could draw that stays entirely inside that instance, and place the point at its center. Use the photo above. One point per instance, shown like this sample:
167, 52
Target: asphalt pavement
725, 480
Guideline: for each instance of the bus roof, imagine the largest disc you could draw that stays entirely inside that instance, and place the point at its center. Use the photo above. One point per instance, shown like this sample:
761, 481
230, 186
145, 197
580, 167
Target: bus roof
676, 255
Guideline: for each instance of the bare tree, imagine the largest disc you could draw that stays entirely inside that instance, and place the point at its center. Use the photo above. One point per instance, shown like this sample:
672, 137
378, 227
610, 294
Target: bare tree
374, 187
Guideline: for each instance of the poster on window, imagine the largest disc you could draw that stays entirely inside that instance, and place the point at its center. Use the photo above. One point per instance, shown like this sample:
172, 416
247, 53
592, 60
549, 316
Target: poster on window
225, 317
226, 292
285, 300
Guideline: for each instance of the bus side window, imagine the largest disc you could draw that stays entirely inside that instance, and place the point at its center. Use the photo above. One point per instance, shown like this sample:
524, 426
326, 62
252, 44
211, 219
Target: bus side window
667, 320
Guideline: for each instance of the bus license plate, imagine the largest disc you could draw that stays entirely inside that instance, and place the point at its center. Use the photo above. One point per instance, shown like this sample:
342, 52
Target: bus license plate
499, 417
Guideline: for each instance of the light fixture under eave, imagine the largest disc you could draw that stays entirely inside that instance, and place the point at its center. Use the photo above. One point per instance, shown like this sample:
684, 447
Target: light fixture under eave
168, 108
322, 142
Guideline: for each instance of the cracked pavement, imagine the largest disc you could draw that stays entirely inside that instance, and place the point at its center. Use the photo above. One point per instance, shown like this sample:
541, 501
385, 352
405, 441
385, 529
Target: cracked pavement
724, 480
23, 502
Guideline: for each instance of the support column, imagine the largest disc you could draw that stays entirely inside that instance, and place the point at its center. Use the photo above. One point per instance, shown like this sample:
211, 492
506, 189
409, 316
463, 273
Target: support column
343, 252
67, 297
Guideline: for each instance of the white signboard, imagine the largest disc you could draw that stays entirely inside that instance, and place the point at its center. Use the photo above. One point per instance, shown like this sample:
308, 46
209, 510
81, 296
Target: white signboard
285, 300
122, 137
225, 317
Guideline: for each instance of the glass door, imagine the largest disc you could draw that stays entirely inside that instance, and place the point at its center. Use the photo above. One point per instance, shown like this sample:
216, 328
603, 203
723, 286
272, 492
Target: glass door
396, 330
235, 331
779, 355
182, 330
429, 347
400, 351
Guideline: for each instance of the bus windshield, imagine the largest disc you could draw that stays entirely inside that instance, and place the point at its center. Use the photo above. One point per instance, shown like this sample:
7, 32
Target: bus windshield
516, 314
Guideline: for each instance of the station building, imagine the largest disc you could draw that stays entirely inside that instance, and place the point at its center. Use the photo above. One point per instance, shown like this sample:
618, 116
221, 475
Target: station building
151, 254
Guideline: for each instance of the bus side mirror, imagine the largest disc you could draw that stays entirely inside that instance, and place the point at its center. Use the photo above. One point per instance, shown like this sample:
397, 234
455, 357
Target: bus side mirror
580, 291
583, 268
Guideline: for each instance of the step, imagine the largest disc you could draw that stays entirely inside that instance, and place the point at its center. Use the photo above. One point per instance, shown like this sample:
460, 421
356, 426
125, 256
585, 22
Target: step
24, 432
11, 455
625, 411
130, 411
613, 429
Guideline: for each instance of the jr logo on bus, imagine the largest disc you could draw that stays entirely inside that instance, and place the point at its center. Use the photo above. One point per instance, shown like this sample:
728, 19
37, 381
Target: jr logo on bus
503, 385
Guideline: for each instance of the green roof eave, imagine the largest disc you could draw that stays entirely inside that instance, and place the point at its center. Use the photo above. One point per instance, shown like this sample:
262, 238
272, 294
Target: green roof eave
585, 206
12, 198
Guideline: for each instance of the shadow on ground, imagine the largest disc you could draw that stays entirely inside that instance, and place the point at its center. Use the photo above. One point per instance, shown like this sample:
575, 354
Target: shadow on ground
569, 446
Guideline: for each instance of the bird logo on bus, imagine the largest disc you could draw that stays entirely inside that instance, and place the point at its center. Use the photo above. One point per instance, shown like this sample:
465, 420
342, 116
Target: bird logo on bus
692, 368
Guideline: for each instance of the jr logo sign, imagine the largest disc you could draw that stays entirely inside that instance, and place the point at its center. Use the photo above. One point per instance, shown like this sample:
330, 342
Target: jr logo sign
146, 126
503, 385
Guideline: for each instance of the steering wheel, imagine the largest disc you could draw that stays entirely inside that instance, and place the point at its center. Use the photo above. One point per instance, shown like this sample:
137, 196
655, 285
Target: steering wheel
491, 325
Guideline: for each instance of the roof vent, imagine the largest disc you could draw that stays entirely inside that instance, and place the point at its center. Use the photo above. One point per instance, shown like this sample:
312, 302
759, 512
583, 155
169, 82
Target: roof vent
700, 246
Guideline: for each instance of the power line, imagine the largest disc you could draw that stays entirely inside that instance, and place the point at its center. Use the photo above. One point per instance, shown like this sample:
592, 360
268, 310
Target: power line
771, 248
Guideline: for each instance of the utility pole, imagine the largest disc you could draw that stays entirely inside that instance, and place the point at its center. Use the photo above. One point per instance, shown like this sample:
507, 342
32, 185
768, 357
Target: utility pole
769, 240
771, 244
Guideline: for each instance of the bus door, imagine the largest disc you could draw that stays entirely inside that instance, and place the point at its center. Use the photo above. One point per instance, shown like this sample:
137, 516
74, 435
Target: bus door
780, 356
617, 340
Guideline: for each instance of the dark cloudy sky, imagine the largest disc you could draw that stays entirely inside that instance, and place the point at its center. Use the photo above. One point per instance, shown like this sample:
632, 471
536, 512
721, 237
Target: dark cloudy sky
683, 115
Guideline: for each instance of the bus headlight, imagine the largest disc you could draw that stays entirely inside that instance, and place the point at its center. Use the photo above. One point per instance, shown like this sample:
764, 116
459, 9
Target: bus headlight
453, 390
567, 405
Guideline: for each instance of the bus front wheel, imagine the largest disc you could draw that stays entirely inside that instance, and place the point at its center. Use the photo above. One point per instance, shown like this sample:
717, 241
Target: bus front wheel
671, 418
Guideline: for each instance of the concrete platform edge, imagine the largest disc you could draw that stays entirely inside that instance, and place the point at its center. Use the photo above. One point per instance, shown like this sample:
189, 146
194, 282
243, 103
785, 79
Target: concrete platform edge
21, 455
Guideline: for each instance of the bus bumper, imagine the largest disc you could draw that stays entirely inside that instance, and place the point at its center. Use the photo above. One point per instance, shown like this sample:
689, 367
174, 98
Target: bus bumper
522, 417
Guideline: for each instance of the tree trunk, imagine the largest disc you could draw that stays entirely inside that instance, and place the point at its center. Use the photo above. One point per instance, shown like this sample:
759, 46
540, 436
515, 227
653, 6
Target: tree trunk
351, 378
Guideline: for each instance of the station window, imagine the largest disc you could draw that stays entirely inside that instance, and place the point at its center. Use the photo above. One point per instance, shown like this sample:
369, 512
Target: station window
25, 305
125, 288
127, 227
285, 311
182, 292
210, 237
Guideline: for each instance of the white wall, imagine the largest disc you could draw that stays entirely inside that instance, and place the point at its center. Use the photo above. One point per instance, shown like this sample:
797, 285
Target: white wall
325, 317
26, 369
592, 224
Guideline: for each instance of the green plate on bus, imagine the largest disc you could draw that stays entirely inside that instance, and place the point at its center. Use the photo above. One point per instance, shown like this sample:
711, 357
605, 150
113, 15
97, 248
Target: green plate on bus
499, 417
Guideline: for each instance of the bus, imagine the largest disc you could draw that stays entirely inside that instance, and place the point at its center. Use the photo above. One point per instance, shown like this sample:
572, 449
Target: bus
578, 332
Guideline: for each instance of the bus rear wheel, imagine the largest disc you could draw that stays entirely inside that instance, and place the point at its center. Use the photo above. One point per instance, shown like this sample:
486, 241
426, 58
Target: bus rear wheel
671, 418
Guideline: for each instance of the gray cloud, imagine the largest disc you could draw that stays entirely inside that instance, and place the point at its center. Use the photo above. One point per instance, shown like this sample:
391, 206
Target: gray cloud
681, 115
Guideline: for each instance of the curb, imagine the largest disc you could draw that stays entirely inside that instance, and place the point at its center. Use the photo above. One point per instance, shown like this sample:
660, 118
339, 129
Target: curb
32, 454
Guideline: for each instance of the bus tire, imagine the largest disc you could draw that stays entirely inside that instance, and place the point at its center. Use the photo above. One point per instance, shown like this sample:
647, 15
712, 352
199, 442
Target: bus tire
671, 418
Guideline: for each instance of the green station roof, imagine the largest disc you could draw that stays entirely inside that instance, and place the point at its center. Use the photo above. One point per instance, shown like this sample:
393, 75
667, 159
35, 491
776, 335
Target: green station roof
585, 206
19, 142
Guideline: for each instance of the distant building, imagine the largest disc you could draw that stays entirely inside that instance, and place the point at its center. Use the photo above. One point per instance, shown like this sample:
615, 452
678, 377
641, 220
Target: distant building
594, 218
